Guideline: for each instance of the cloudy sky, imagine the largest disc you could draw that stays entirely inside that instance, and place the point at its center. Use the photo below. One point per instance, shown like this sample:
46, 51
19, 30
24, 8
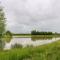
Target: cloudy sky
26, 15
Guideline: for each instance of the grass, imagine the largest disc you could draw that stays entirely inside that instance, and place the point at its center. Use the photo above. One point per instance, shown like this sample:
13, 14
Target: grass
21, 34
45, 52
29, 35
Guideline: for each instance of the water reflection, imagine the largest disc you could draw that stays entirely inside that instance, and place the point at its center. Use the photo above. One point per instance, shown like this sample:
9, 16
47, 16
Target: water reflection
34, 41
41, 38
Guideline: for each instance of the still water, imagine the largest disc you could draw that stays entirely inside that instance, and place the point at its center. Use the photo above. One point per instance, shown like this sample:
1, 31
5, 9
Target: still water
29, 41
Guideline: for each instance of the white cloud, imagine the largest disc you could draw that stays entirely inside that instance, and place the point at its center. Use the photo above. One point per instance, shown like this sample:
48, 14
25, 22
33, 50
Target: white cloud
25, 15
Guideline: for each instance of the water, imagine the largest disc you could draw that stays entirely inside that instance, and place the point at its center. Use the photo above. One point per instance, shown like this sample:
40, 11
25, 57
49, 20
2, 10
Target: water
32, 41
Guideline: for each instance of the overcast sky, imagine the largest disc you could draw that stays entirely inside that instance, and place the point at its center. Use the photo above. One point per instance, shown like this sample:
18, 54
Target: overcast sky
26, 15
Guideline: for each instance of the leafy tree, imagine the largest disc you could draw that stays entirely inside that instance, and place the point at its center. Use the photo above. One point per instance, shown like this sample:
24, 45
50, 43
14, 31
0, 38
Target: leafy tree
34, 32
2, 21
9, 33
7, 36
2, 26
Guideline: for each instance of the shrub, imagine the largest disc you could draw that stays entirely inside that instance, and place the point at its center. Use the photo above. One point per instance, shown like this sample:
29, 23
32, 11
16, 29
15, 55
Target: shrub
17, 46
7, 36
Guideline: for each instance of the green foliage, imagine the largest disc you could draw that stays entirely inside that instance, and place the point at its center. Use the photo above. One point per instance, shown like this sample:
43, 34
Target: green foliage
2, 26
34, 32
45, 52
8, 33
2, 21
7, 36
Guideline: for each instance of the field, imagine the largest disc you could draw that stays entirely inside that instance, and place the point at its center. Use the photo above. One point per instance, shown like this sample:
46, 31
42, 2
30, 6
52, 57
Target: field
29, 35
45, 52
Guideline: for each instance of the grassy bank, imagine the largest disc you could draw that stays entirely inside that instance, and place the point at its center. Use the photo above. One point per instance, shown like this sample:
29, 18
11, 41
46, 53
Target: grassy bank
29, 35
21, 34
45, 52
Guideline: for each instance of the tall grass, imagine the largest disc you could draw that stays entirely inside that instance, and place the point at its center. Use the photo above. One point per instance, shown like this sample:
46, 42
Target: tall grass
47, 52
17, 46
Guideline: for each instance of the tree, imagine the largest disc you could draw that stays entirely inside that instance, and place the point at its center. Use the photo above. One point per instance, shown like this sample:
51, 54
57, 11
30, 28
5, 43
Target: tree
2, 26
7, 36
34, 32
8, 33
2, 21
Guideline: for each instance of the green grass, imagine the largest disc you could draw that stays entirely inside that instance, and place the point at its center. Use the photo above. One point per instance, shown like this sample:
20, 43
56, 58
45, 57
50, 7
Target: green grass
29, 35
45, 52
21, 34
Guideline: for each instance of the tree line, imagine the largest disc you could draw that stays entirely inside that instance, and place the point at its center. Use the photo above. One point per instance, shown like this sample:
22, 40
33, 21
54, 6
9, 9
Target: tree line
34, 32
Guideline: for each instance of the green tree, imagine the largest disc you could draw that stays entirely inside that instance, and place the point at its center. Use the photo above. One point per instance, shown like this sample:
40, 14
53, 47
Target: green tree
7, 36
2, 21
2, 26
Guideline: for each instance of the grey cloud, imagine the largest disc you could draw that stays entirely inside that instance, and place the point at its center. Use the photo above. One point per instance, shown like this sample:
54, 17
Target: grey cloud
32, 14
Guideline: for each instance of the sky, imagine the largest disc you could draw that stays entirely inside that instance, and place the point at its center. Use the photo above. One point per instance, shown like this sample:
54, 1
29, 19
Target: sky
23, 16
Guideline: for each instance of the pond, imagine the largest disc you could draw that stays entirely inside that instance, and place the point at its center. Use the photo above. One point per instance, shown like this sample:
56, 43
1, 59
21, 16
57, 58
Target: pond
29, 41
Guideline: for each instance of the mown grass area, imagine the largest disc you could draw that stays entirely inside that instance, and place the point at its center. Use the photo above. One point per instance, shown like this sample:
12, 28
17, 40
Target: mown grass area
45, 52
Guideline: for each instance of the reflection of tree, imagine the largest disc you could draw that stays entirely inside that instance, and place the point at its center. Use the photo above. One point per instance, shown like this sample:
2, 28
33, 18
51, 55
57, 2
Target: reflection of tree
41, 37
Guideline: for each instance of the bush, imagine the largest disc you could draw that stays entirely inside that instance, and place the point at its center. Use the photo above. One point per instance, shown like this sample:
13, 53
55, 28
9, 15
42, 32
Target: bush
17, 46
7, 36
